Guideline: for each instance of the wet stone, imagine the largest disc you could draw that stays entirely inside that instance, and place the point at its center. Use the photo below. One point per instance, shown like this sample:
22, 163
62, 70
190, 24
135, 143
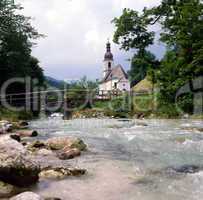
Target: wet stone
27, 196
187, 169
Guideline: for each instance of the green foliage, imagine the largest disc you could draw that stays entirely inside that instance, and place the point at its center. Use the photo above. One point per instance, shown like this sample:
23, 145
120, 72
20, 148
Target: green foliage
81, 93
6, 114
131, 31
182, 28
167, 110
185, 103
140, 65
143, 104
119, 107
167, 77
101, 104
16, 36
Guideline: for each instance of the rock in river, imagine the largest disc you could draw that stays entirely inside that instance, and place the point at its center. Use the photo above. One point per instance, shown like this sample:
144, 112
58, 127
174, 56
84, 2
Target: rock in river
27, 133
6, 190
45, 152
68, 153
61, 172
32, 196
187, 169
5, 127
58, 143
16, 168
27, 196
36, 145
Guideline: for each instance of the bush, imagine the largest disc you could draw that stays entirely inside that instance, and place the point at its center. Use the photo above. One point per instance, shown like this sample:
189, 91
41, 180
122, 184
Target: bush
185, 103
6, 114
143, 104
167, 110
119, 107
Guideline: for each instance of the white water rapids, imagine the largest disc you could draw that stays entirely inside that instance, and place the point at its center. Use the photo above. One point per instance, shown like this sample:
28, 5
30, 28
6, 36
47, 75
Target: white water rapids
126, 161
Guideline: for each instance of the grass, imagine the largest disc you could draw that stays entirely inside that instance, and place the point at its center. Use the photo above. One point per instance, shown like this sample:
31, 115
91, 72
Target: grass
145, 105
6, 114
126, 106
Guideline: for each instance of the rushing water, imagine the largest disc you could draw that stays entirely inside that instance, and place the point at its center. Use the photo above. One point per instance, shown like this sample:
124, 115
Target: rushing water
126, 161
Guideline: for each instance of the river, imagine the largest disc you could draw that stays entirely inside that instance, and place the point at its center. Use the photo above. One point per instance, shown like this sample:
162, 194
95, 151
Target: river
128, 161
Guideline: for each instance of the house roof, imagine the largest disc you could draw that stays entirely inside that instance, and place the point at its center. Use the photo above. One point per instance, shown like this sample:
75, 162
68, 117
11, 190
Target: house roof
116, 73
143, 86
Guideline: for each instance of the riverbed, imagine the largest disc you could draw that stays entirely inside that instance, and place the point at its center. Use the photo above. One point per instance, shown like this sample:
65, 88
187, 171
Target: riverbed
129, 159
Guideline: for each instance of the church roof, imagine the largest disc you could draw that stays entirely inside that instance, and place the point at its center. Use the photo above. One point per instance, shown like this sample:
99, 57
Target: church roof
116, 73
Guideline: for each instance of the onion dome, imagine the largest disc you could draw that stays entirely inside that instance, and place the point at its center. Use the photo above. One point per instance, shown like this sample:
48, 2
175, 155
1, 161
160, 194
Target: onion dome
108, 55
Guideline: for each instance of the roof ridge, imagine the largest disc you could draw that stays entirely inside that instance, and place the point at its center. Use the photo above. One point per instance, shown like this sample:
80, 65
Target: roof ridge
120, 74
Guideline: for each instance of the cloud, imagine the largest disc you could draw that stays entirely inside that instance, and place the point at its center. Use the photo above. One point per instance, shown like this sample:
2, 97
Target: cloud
77, 31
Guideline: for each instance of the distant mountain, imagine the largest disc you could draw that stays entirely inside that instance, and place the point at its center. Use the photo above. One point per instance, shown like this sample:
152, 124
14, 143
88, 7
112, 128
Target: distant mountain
54, 82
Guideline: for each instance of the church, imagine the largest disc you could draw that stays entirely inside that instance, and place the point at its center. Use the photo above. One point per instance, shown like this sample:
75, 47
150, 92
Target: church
114, 76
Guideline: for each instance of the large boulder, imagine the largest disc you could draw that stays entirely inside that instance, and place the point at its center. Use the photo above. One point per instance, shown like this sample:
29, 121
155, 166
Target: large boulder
27, 196
58, 143
16, 168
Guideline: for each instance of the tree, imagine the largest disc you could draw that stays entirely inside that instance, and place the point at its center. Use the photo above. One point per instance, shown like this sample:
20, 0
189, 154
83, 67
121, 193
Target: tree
132, 33
16, 42
182, 27
16, 36
140, 64
36, 71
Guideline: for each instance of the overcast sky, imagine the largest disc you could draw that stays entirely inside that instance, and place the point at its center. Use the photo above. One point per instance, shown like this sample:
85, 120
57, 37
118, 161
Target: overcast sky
77, 31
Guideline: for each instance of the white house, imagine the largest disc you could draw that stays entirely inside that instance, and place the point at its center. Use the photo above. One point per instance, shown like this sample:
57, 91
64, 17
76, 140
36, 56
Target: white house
114, 76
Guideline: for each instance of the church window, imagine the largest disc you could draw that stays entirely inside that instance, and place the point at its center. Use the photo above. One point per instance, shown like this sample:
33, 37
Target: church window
115, 85
109, 65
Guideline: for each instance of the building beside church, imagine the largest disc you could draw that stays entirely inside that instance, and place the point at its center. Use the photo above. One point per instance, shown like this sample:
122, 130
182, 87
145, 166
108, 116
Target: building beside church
114, 76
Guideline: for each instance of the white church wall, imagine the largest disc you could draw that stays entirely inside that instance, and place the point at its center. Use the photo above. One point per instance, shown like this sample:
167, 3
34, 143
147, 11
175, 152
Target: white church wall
106, 67
124, 85
102, 87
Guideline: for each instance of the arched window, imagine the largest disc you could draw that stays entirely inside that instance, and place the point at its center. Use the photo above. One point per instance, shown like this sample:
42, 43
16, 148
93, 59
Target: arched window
109, 65
115, 85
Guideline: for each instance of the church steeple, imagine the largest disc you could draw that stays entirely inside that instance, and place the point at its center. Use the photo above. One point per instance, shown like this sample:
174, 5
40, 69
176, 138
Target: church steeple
108, 60
108, 46
108, 55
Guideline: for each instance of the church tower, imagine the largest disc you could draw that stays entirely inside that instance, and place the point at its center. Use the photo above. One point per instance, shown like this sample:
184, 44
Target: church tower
108, 60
